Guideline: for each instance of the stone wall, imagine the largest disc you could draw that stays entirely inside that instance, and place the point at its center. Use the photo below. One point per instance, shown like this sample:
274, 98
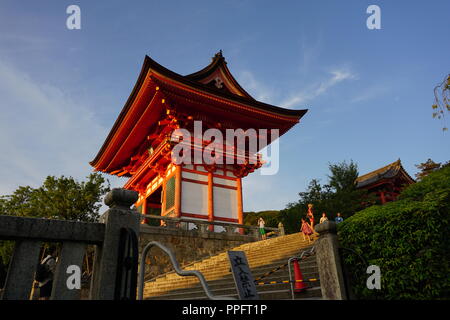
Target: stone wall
188, 246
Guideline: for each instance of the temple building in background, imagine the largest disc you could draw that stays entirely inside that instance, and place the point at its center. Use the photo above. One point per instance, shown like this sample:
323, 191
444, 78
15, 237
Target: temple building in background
139, 144
386, 183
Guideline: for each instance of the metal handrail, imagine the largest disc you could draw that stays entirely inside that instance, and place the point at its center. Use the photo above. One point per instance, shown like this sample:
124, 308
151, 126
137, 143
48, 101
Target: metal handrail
178, 270
308, 252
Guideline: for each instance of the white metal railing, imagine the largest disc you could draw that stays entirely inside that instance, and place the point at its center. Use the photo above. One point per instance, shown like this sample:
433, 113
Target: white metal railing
178, 270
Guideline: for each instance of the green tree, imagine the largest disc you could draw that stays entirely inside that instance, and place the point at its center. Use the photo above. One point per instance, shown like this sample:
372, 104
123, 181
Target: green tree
271, 218
58, 198
290, 217
338, 195
343, 176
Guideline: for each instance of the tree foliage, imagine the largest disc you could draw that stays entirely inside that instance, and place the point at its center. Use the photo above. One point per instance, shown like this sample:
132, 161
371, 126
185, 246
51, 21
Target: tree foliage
408, 240
58, 198
271, 218
343, 176
442, 100
339, 195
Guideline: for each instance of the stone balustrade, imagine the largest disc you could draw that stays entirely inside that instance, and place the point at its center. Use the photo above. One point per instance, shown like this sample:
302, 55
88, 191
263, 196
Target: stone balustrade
203, 226
73, 237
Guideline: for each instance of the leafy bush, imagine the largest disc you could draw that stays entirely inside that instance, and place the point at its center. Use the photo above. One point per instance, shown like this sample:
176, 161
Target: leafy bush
408, 239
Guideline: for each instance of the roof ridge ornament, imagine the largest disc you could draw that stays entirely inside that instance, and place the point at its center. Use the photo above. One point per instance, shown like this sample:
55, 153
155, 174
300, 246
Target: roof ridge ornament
218, 54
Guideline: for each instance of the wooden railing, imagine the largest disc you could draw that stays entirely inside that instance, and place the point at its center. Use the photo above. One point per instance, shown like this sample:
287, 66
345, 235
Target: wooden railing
30, 233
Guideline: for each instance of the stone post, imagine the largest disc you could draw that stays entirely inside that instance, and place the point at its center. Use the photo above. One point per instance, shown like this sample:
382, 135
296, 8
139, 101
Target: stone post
329, 263
119, 215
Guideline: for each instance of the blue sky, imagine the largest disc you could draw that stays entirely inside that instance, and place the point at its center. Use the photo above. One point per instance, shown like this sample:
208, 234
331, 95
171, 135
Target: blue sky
369, 92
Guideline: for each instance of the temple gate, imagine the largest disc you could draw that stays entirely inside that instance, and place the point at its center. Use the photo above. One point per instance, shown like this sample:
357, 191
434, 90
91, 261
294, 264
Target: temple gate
140, 145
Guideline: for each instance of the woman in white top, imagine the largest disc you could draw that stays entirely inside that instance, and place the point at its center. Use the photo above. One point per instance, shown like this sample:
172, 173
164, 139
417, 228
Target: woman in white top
324, 217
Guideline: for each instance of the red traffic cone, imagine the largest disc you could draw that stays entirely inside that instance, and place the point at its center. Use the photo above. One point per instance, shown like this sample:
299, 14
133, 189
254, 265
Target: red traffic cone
299, 284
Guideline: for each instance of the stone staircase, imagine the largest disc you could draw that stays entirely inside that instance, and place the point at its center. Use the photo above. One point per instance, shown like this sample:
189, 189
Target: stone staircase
263, 256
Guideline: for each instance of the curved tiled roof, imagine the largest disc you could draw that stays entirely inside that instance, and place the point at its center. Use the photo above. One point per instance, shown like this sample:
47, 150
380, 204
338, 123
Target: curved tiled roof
233, 101
387, 172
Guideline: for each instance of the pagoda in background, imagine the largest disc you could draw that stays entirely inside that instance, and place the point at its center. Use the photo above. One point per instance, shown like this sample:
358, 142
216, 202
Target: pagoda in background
386, 183
139, 144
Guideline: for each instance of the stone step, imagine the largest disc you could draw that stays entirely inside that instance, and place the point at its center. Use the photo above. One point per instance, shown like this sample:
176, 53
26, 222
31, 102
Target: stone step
272, 294
255, 259
255, 271
228, 281
307, 266
256, 245
215, 269
272, 242
224, 267
263, 257
307, 271
256, 253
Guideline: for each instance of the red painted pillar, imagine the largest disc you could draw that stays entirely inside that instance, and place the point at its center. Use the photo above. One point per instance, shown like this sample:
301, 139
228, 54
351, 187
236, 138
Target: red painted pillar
383, 199
210, 200
178, 191
239, 204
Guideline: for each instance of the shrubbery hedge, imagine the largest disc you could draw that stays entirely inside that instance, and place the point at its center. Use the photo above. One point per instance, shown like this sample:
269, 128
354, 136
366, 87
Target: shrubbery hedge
408, 239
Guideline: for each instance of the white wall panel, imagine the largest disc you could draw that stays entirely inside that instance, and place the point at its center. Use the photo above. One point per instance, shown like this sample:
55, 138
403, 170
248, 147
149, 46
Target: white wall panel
225, 203
230, 174
195, 176
226, 182
194, 198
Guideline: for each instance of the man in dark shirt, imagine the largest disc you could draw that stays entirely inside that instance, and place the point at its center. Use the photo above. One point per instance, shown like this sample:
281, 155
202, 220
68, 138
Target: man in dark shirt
338, 219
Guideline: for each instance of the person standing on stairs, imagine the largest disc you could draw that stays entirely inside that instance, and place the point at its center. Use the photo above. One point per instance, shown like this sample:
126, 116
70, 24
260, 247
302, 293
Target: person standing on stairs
45, 277
338, 219
261, 225
306, 230
281, 229
310, 215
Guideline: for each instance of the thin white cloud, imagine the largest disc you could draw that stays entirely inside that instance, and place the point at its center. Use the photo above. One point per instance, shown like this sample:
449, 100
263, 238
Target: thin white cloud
15, 43
336, 76
43, 131
370, 93
266, 94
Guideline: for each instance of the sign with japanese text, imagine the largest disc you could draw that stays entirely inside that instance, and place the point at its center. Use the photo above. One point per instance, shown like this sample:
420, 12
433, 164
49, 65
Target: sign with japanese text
243, 278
